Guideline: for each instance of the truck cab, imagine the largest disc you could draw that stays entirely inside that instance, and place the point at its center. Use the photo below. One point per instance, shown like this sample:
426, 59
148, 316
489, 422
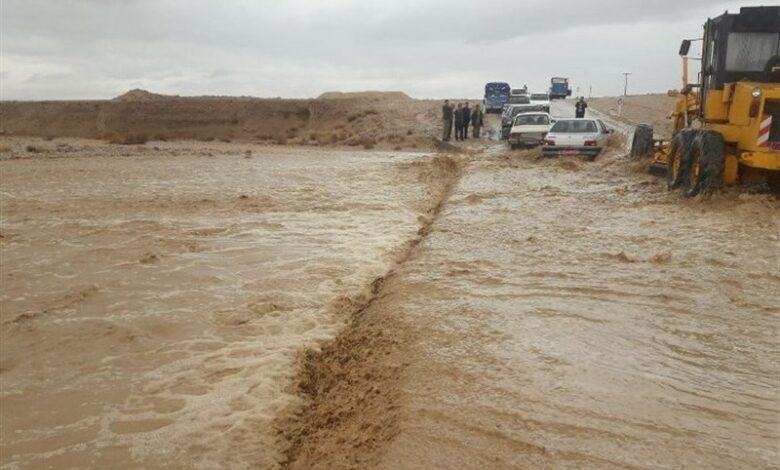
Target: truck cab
496, 96
559, 88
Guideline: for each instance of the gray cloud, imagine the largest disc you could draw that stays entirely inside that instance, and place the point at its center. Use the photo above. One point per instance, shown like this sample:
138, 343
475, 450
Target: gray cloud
46, 77
435, 48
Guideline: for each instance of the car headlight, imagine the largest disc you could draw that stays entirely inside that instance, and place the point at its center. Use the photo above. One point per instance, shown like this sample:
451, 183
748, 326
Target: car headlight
756, 93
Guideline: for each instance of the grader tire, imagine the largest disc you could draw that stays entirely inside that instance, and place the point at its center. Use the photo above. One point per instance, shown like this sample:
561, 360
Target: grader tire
706, 162
681, 146
642, 144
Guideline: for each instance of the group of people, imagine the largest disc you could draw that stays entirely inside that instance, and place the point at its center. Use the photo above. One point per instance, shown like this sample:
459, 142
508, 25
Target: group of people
461, 116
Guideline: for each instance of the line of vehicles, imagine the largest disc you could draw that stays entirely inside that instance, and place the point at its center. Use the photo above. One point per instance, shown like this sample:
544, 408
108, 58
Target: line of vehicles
726, 122
526, 121
498, 94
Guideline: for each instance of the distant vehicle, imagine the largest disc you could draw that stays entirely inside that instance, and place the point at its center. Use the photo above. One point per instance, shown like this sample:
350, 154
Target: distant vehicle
519, 99
519, 91
508, 116
541, 99
529, 129
496, 96
576, 137
559, 88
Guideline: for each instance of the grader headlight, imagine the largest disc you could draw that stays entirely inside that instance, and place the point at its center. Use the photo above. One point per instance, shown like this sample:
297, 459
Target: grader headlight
755, 105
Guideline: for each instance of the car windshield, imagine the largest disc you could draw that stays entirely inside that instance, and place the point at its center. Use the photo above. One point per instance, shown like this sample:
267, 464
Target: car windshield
539, 97
520, 109
519, 99
574, 126
532, 120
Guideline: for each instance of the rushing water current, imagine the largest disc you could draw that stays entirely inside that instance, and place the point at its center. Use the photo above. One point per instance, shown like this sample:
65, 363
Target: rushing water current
563, 314
152, 307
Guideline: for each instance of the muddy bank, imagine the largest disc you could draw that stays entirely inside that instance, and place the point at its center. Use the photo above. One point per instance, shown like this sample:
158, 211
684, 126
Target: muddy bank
349, 386
363, 120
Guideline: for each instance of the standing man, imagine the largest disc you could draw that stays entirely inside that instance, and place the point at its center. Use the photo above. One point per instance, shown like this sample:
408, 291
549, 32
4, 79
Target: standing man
459, 122
446, 117
580, 107
476, 120
466, 120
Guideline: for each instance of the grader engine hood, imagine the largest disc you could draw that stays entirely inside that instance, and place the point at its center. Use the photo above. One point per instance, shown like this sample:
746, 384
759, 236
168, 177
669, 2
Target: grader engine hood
747, 114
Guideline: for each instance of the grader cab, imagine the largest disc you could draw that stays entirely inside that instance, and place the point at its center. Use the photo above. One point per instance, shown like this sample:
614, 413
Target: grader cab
727, 123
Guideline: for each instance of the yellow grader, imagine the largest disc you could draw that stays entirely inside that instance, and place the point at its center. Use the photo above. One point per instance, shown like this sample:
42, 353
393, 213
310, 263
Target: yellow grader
727, 124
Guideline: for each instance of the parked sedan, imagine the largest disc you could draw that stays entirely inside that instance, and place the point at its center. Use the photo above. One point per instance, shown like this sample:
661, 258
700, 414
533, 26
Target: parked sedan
529, 129
576, 137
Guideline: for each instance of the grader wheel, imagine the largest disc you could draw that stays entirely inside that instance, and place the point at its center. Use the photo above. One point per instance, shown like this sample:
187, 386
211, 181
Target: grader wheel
678, 158
705, 164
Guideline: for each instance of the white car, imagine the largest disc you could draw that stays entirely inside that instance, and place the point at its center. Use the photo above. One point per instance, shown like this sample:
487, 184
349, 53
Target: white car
542, 100
509, 113
529, 129
576, 137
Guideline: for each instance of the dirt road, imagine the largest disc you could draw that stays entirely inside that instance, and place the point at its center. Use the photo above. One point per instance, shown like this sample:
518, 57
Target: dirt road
501, 311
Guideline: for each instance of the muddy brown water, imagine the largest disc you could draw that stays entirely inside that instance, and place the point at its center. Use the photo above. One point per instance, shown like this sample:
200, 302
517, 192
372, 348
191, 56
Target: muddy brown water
556, 314
152, 307
576, 317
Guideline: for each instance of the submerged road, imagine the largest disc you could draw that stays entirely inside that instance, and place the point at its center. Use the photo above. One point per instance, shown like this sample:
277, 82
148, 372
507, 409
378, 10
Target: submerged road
576, 315
562, 314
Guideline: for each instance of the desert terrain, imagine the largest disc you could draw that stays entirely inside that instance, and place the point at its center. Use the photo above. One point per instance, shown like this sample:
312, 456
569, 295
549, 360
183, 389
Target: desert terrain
637, 109
138, 116
189, 283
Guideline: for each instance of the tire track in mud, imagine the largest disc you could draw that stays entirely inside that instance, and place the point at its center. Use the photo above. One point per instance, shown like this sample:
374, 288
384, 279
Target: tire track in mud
348, 387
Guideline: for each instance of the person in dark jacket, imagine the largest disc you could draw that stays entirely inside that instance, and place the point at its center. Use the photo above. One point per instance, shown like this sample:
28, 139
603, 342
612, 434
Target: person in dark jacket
476, 120
446, 117
466, 119
459, 122
579, 108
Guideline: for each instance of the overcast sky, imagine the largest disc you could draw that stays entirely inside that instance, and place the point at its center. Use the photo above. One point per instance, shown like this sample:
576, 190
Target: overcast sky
74, 49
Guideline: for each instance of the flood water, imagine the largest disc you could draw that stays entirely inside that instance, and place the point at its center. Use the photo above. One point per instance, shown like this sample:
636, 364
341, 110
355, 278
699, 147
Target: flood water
576, 315
560, 314
152, 307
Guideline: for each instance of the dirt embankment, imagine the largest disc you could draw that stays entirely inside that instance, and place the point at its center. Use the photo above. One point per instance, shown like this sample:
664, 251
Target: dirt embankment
372, 119
349, 386
651, 109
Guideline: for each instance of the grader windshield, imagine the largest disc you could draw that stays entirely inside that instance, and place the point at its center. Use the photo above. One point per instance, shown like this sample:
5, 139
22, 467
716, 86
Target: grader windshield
751, 52
741, 47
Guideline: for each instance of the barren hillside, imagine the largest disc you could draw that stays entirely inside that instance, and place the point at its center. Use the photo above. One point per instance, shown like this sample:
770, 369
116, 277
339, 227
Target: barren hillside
652, 109
385, 120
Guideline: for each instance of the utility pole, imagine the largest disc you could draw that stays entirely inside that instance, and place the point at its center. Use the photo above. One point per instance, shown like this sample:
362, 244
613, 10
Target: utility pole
625, 89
